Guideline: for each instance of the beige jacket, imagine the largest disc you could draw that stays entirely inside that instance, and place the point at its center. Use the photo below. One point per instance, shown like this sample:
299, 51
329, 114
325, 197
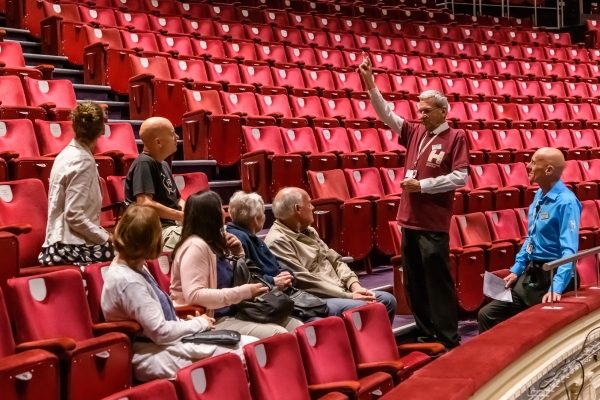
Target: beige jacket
317, 268
74, 199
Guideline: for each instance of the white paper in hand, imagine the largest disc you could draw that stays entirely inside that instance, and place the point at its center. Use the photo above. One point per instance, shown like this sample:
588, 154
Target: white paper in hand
493, 287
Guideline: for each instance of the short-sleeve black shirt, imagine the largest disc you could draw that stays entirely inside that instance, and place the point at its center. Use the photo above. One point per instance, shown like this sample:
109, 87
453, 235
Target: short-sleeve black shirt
148, 176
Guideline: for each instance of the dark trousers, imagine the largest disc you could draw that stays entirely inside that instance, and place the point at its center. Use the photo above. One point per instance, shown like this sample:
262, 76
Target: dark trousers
528, 290
430, 288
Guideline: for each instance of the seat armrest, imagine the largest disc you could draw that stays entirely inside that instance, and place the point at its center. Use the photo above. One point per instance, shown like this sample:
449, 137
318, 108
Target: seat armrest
390, 367
430, 349
349, 387
16, 229
127, 327
184, 311
58, 346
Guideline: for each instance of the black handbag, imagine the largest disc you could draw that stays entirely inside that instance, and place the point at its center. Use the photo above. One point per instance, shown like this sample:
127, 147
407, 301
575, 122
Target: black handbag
224, 337
271, 307
307, 305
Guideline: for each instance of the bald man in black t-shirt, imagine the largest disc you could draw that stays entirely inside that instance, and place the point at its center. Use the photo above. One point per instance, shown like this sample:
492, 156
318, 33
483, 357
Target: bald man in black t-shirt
150, 182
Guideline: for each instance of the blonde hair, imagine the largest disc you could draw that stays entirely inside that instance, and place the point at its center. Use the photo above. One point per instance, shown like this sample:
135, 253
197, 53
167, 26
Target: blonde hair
138, 234
88, 121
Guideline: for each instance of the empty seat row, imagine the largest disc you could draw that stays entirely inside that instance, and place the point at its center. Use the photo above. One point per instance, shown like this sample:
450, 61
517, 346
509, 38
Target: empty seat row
513, 145
27, 149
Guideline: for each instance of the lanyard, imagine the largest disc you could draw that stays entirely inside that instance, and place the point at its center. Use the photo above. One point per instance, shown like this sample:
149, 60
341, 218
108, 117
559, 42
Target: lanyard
422, 148
538, 208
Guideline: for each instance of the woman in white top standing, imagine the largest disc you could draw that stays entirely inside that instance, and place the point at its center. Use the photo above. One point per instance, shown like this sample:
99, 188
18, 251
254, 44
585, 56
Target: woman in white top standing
73, 232
131, 293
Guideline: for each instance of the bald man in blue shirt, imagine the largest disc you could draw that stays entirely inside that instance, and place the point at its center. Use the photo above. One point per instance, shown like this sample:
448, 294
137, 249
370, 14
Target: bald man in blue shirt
552, 233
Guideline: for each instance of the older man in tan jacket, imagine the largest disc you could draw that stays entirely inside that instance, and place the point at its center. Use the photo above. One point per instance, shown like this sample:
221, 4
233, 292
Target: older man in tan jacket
317, 268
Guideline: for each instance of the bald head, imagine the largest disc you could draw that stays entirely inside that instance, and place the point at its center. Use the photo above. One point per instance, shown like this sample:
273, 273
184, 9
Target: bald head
292, 207
546, 166
159, 138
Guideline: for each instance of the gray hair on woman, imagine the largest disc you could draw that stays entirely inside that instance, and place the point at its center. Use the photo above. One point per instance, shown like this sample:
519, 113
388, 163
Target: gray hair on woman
439, 99
245, 206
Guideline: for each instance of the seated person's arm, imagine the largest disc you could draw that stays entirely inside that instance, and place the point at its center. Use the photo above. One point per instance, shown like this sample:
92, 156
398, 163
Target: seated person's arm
147, 312
304, 279
163, 211
76, 199
194, 266
569, 242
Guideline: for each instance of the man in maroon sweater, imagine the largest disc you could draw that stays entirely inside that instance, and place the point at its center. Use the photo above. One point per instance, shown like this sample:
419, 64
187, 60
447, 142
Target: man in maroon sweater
436, 164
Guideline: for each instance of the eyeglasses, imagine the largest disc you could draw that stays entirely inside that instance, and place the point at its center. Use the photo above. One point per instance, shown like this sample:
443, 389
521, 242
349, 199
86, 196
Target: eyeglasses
427, 111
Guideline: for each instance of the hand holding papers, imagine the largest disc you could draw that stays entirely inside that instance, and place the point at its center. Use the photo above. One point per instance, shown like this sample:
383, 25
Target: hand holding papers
494, 287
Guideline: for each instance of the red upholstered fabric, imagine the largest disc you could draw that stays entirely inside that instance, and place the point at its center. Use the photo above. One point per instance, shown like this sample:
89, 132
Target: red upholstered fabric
160, 389
214, 378
424, 388
275, 368
467, 361
93, 275
52, 314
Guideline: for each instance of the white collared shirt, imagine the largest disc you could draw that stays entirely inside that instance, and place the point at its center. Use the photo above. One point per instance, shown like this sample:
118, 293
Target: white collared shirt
74, 199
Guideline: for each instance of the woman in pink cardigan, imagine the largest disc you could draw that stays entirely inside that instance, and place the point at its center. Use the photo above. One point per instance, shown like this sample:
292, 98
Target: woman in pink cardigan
203, 276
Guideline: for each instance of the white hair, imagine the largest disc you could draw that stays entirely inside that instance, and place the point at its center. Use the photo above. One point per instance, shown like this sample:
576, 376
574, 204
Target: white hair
285, 202
439, 99
245, 206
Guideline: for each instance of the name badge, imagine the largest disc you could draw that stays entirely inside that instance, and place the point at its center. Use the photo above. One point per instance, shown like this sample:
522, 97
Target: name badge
436, 147
410, 174
529, 248
544, 215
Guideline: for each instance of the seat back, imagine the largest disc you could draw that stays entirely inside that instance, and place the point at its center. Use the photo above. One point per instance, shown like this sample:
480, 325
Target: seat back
93, 275
156, 66
364, 182
49, 306
159, 389
140, 40
190, 68
364, 139
214, 378
503, 225
57, 91
244, 102
117, 136
18, 135
207, 100
333, 139
53, 136
299, 139
473, 229
275, 368
160, 268
263, 138
110, 36
13, 94
191, 183
391, 179
274, 104
7, 342
485, 175
326, 351
370, 334
587, 270
339, 107
389, 140
514, 174
328, 184
11, 54
25, 202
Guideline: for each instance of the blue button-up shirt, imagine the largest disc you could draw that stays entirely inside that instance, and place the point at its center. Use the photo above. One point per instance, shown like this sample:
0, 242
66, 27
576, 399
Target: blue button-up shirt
553, 231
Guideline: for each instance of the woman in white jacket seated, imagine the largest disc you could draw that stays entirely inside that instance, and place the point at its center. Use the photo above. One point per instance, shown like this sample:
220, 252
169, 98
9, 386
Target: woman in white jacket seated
131, 293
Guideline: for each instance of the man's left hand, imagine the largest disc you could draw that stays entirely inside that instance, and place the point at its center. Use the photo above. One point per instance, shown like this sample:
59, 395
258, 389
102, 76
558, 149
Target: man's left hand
411, 185
555, 297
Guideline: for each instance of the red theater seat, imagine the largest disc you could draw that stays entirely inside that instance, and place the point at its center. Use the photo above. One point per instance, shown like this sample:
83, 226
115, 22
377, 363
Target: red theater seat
327, 354
42, 309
